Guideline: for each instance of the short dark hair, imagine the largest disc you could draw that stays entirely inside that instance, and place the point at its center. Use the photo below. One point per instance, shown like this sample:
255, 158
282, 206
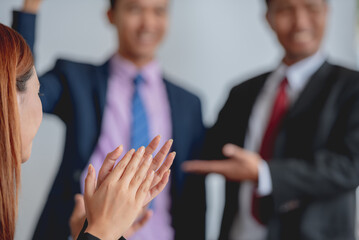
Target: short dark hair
267, 2
112, 3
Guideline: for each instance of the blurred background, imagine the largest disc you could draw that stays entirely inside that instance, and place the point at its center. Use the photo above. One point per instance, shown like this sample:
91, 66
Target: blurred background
211, 46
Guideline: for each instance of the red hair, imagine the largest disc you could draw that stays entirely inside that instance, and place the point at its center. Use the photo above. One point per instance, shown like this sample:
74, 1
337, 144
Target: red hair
16, 64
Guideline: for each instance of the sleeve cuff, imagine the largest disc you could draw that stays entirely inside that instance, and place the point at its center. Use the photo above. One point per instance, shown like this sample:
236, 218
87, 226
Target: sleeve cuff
265, 187
87, 236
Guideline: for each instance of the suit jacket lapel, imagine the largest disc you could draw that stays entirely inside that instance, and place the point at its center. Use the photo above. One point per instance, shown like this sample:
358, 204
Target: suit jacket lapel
311, 90
245, 104
305, 100
99, 87
177, 133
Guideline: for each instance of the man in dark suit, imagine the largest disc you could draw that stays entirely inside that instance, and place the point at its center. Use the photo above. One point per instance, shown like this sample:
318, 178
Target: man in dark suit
291, 139
124, 101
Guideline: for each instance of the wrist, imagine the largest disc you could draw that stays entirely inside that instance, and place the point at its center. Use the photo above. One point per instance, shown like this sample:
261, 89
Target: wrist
256, 176
98, 232
254, 173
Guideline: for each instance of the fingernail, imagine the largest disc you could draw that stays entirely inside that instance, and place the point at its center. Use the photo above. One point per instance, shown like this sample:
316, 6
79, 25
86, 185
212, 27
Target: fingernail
174, 153
149, 159
141, 149
171, 140
228, 149
90, 168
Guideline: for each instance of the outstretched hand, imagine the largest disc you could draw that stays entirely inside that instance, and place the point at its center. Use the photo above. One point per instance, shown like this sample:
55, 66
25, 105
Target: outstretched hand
240, 165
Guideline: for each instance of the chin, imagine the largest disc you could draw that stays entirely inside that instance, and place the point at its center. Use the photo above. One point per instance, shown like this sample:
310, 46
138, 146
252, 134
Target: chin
26, 155
145, 54
306, 47
25, 158
306, 54
301, 52
146, 50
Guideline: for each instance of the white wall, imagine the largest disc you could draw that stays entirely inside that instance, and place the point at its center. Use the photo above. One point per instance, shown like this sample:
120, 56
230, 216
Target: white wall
212, 44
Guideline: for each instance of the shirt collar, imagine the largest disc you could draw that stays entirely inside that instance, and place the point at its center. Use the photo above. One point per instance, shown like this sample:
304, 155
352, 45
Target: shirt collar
299, 73
126, 70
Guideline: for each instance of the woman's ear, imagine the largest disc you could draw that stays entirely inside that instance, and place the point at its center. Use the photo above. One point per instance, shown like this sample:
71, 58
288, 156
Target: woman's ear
269, 20
110, 15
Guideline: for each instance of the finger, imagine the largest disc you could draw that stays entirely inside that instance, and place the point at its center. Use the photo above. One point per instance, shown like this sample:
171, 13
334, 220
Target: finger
79, 209
108, 164
204, 167
145, 186
78, 216
164, 168
150, 149
231, 150
138, 224
160, 156
154, 191
133, 165
141, 173
90, 182
117, 172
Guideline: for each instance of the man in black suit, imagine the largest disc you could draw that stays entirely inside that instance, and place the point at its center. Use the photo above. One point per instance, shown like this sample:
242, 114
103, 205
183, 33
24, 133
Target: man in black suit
291, 139
124, 101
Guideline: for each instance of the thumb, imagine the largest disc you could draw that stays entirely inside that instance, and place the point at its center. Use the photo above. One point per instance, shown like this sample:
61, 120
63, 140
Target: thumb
79, 209
233, 151
90, 182
78, 216
138, 224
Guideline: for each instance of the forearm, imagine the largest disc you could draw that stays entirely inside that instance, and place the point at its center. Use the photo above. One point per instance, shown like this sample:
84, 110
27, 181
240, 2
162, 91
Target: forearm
329, 175
332, 167
51, 85
25, 24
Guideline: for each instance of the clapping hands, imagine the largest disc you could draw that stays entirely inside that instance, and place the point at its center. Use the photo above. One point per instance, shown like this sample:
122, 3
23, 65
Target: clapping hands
114, 201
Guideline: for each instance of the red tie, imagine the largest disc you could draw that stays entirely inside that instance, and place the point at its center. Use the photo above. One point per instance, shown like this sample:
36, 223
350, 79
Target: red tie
280, 108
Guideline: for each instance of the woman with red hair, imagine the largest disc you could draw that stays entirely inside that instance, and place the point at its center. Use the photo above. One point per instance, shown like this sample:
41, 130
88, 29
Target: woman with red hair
114, 200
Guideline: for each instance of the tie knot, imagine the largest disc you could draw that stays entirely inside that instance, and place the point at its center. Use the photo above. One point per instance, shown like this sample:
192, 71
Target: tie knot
138, 80
284, 83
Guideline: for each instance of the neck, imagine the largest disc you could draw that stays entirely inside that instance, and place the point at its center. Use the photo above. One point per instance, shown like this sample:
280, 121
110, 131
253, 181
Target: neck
290, 60
138, 61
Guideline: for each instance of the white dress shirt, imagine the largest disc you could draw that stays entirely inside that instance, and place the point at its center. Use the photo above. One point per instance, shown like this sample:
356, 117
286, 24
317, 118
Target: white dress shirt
245, 227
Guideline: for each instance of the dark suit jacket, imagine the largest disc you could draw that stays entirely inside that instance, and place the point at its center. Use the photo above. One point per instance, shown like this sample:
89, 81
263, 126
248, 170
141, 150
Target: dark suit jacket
76, 92
87, 236
315, 168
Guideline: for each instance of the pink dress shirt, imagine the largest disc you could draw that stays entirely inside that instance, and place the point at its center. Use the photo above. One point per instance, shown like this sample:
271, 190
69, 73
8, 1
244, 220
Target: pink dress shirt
116, 130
